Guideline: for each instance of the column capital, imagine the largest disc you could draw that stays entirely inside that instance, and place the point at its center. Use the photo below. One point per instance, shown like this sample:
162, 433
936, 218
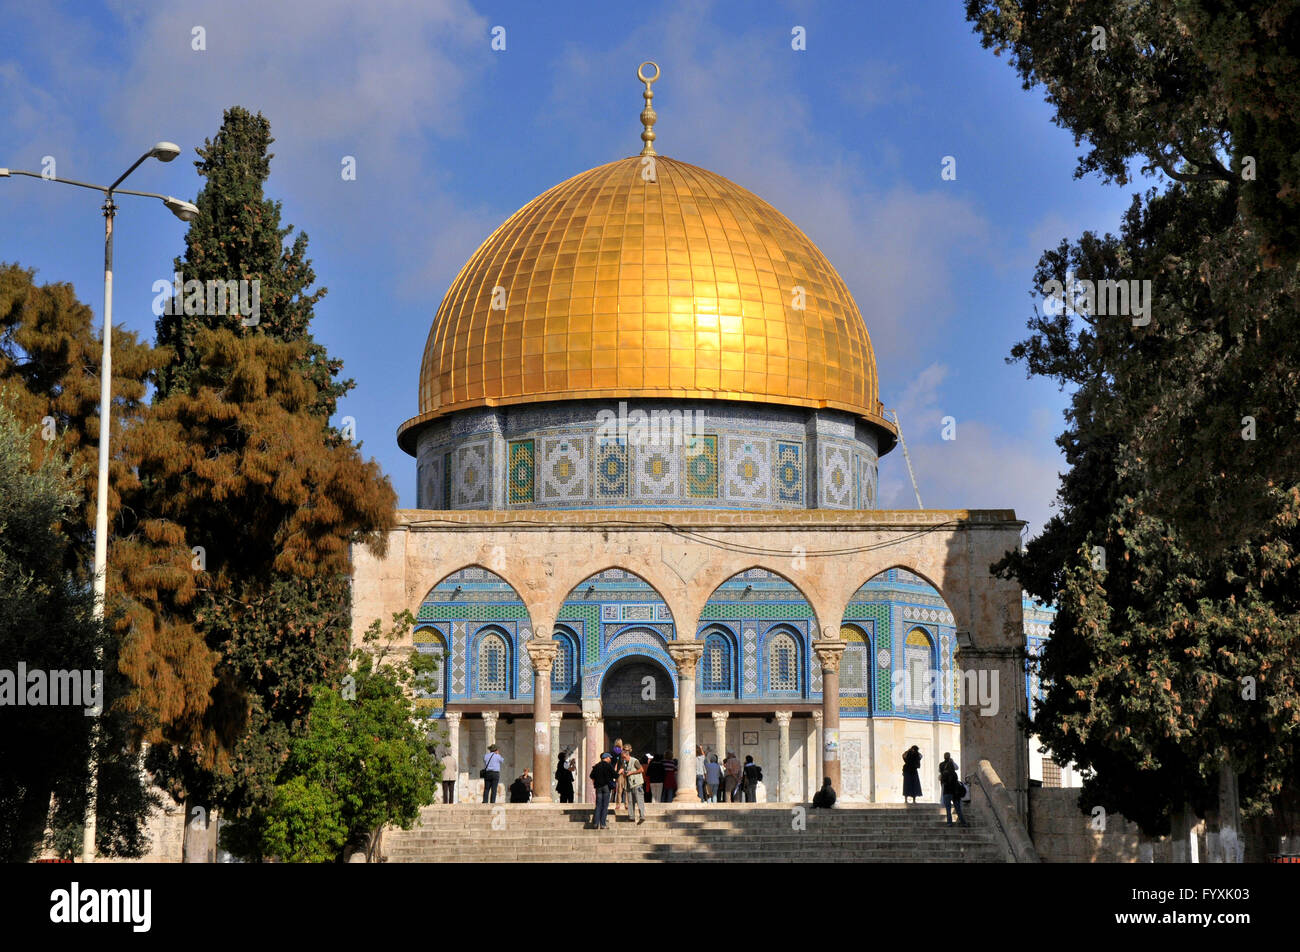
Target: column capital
591, 718
686, 655
817, 719
829, 654
556, 717
720, 717
783, 717
490, 717
452, 718
542, 654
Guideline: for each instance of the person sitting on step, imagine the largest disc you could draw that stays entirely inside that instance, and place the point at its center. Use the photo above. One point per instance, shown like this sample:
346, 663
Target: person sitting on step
824, 798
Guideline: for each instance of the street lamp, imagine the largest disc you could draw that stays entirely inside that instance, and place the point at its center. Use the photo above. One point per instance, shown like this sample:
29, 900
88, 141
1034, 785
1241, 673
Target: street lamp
163, 152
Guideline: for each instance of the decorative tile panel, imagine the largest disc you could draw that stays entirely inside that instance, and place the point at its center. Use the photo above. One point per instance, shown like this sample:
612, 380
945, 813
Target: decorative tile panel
519, 474
472, 476
836, 477
702, 467
789, 473
748, 470
659, 471
565, 469
611, 471
851, 765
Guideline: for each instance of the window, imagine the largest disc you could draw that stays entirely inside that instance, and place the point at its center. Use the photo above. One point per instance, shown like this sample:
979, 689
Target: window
919, 653
564, 672
717, 663
783, 664
1051, 773
427, 642
492, 655
853, 666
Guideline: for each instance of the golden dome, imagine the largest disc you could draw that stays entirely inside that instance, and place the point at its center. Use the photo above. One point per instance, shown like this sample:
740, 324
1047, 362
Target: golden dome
612, 286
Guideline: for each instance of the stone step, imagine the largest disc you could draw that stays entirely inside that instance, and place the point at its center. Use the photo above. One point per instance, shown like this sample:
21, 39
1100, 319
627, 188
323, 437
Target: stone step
711, 833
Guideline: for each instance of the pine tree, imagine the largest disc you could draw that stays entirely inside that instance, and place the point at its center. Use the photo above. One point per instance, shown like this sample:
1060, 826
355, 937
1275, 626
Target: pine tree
247, 503
1172, 559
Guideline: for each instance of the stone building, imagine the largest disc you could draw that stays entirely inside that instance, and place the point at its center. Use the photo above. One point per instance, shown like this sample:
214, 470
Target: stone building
647, 446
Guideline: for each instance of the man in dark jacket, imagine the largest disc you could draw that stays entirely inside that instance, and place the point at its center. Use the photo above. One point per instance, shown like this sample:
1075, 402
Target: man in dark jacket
953, 789
602, 778
753, 774
520, 792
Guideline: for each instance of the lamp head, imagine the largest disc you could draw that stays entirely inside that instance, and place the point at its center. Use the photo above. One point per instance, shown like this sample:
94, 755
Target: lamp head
165, 151
182, 210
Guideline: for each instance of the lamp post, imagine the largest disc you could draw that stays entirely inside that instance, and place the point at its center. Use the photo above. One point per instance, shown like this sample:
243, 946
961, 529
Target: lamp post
163, 152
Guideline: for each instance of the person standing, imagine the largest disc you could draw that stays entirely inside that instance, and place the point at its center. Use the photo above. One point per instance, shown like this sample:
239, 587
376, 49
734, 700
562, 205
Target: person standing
602, 778
912, 773
655, 777
491, 774
700, 772
564, 779
670, 777
953, 789
448, 778
634, 778
713, 779
753, 774
619, 788
731, 790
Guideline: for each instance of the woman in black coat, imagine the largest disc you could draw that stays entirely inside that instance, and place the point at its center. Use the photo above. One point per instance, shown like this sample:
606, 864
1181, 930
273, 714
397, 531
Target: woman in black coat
564, 780
912, 773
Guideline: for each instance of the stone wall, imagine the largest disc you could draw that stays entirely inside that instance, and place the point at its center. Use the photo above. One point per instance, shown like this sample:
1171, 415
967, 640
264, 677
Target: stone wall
1063, 834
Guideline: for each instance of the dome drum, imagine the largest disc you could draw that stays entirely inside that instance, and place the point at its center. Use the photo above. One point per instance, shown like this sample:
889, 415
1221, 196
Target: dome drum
642, 454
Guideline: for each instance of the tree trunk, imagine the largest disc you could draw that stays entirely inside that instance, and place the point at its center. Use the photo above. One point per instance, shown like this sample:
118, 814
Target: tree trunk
1231, 844
198, 820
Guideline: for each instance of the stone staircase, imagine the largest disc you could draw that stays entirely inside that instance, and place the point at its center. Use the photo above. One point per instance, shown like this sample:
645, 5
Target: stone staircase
733, 832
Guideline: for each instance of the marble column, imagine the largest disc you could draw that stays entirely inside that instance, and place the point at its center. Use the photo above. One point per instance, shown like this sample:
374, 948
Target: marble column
590, 721
783, 753
453, 745
720, 734
686, 655
556, 717
541, 651
813, 766
829, 651
490, 727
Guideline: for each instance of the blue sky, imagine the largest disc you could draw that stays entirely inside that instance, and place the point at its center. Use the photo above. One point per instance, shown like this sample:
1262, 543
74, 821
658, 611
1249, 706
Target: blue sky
450, 137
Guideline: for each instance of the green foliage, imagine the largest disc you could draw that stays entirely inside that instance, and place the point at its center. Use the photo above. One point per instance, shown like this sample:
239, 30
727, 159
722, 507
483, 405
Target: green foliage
367, 759
1181, 433
47, 622
1190, 87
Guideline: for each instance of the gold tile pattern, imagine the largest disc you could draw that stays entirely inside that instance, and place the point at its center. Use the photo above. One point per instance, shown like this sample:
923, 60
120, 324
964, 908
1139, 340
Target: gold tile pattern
612, 286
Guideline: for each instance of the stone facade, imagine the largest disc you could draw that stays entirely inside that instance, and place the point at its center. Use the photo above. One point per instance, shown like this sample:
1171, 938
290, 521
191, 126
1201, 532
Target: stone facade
668, 569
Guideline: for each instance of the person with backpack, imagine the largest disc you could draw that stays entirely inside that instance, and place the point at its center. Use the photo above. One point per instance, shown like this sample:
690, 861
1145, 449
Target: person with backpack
954, 791
602, 778
491, 773
753, 774
912, 773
